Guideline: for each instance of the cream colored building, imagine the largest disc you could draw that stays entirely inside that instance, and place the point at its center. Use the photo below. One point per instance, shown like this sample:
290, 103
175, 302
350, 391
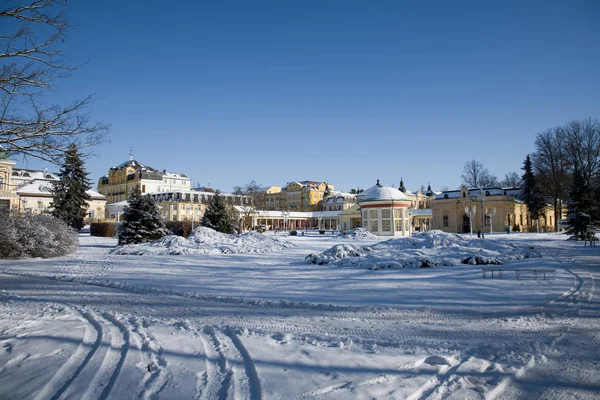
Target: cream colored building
338, 201
486, 209
298, 196
30, 191
121, 180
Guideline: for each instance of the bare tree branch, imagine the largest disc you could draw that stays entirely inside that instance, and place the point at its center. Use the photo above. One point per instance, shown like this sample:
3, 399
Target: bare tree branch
31, 62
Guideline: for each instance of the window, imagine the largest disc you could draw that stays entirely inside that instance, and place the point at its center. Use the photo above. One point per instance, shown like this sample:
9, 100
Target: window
374, 226
396, 213
445, 220
373, 214
398, 225
487, 220
464, 194
385, 214
445, 196
385, 225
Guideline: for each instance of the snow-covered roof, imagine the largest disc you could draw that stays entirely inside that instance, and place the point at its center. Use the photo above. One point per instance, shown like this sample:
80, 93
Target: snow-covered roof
32, 174
43, 187
422, 212
127, 163
474, 192
339, 197
382, 193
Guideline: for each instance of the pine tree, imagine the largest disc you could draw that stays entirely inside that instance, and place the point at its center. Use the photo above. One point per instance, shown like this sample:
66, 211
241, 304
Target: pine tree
70, 195
532, 196
217, 217
141, 221
579, 204
401, 186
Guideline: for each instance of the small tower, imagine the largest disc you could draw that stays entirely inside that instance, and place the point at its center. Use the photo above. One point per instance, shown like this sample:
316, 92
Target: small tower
401, 187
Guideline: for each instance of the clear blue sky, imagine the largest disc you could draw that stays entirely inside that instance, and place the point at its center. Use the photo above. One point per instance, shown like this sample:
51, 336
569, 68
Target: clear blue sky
341, 91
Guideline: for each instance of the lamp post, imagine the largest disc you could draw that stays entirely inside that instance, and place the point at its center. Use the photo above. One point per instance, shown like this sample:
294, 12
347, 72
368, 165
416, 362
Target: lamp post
481, 201
285, 218
491, 214
471, 213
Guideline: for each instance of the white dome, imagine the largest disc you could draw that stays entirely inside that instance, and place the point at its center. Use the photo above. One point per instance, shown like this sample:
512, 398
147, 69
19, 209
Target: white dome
383, 193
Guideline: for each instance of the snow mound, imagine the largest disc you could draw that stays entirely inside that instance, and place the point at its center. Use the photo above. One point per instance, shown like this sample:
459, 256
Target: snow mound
206, 241
358, 233
423, 250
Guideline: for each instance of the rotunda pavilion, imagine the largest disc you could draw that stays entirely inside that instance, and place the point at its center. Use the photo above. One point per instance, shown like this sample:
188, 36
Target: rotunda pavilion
385, 211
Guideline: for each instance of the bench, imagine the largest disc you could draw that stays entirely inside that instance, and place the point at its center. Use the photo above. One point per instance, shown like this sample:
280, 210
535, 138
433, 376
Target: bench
543, 273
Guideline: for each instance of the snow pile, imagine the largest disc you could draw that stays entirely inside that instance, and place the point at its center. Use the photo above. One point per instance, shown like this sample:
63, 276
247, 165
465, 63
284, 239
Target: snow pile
424, 250
358, 233
206, 241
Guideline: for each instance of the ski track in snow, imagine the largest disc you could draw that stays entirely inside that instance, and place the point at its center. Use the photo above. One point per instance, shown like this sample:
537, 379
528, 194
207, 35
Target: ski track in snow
231, 372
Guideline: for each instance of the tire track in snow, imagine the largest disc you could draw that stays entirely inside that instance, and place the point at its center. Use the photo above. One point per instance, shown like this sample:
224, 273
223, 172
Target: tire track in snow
115, 338
69, 371
254, 388
218, 373
158, 376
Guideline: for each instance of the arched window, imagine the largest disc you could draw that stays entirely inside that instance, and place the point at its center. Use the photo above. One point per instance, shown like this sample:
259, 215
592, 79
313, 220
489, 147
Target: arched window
445, 196
445, 220
15, 173
487, 192
26, 175
48, 176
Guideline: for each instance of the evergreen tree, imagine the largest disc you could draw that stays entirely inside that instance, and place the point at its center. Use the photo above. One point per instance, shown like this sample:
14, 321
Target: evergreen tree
579, 205
532, 196
217, 217
141, 221
70, 195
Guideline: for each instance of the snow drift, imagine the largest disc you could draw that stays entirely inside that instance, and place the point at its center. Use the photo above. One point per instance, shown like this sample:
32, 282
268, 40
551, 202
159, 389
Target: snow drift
423, 250
358, 233
206, 241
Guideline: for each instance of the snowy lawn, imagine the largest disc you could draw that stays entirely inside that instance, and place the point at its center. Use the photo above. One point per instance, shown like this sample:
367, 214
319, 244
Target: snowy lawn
261, 321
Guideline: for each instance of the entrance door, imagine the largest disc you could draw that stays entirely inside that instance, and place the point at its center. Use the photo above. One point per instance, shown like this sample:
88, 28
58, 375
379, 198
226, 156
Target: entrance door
466, 227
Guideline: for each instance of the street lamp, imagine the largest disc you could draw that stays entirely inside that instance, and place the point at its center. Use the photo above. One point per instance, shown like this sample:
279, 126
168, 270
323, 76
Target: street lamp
491, 215
285, 218
471, 213
481, 201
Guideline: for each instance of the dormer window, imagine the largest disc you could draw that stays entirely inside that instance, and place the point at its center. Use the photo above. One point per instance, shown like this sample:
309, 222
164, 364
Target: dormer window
446, 196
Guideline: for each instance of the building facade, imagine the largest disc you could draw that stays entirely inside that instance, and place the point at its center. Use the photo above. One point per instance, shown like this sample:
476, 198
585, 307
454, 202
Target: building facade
385, 211
299, 196
121, 180
486, 209
338, 201
30, 191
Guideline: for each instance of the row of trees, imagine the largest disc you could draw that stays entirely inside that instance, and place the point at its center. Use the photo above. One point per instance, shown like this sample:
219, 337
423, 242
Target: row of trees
567, 164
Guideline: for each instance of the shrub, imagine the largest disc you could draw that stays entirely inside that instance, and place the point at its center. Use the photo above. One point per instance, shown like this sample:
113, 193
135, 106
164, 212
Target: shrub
516, 228
179, 228
104, 229
23, 236
294, 233
322, 231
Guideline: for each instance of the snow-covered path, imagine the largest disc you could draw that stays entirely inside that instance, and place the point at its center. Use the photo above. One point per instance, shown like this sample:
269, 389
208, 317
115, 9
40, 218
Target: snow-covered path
99, 326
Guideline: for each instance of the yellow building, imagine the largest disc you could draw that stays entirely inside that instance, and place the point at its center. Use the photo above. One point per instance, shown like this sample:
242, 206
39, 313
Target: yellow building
8, 198
487, 209
298, 196
122, 179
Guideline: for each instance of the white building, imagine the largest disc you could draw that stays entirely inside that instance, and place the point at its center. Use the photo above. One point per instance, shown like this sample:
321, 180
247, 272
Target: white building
385, 211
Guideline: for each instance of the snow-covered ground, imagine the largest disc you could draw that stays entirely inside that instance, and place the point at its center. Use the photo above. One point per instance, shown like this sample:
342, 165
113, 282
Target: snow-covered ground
264, 322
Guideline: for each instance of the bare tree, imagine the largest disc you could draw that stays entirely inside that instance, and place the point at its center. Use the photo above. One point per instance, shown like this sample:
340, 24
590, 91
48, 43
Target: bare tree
583, 148
255, 190
553, 166
511, 179
32, 63
476, 175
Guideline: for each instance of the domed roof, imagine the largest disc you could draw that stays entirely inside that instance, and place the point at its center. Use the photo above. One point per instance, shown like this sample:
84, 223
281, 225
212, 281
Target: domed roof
383, 193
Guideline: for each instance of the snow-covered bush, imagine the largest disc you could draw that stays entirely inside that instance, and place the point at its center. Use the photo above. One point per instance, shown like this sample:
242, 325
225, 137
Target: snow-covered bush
24, 235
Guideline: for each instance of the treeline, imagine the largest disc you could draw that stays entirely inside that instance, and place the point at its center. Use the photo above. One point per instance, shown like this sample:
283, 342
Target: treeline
566, 163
